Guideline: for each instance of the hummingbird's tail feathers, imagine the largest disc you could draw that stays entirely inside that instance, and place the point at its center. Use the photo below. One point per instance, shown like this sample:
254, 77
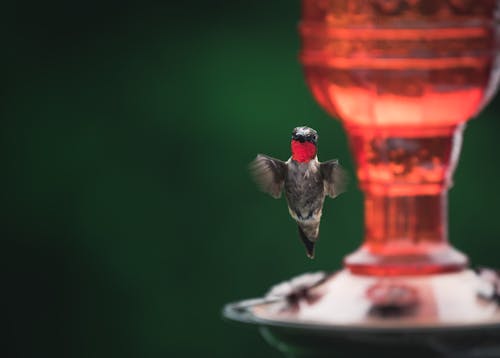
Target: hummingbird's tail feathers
309, 235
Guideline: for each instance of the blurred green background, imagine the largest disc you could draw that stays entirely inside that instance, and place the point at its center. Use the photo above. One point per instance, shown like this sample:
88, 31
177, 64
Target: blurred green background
128, 217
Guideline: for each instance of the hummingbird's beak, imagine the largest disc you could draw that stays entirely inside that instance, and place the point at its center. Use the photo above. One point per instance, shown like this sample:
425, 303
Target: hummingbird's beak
299, 137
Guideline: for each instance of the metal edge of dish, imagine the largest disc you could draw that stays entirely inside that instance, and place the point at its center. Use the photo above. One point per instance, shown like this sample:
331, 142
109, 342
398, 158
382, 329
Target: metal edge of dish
240, 311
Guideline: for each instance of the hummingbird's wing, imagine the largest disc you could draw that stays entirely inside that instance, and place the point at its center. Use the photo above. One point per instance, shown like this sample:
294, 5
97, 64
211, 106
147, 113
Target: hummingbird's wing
269, 173
335, 178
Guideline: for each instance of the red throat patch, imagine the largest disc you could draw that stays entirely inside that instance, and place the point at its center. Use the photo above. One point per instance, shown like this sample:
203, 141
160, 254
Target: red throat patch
303, 152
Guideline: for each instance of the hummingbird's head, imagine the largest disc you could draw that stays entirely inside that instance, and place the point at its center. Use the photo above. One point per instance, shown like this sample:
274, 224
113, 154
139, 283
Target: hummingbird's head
304, 141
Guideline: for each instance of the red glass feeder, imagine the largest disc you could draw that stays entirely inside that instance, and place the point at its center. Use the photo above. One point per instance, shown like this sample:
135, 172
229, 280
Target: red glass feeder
404, 77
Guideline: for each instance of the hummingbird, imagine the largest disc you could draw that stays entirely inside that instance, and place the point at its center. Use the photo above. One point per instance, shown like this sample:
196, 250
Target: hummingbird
305, 181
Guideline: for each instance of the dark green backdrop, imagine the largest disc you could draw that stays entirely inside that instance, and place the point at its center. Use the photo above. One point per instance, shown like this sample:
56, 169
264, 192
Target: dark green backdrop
128, 216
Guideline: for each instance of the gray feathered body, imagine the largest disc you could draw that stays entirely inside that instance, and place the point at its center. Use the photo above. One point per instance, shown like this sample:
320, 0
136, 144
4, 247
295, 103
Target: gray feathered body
305, 195
304, 189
